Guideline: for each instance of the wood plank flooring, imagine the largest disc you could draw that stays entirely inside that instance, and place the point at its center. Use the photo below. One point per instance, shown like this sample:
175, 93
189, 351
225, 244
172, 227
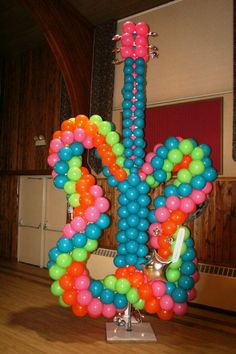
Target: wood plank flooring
32, 323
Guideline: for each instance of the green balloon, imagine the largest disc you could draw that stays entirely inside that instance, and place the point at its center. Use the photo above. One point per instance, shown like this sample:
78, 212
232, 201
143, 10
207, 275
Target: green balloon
184, 176
176, 182
150, 180
175, 155
104, 128
75, 161
118, 148
79, 254
155, 184
56, 272
197, 153
91, 245
139, 305
62, 303
110, 282
172, 275
168, 165
120, 161
186, 146
183, 247
56, 289
168, 176
74, 200
74, 173
196, 167
186, 233
112, 138
122, 286
132, 295
95, 118
64, 260
69, 187
176, 265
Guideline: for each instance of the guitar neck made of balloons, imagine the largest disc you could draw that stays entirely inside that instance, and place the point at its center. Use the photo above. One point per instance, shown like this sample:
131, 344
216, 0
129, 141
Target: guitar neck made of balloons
135, 52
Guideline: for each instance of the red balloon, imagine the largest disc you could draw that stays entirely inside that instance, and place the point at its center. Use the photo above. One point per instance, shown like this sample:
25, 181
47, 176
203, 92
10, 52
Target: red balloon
79, 310
168, 227
152, 305
165, 315
145, 292
66, 282
136, 279
75, 269
178, 216
163, 242
122, 273
69, 297
164, 252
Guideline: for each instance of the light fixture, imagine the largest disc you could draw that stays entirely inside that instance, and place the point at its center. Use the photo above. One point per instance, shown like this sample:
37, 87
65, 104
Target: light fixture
39, 140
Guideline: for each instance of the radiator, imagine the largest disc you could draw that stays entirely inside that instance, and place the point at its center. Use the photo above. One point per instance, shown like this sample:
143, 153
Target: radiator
216, 287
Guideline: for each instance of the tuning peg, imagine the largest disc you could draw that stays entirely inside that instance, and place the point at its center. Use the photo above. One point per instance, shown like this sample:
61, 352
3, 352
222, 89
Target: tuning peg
116, 37
152, 34
154, 55
116, 50
152, 47
117, 61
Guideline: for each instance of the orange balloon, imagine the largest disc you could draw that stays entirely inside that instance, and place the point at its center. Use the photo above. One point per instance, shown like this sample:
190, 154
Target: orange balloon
165, 315
103, 148
98, 140
136, 279
56, 134
79, 211
168, 227
186, 161
82, 186
91, 129
79, 310
131, 269
84, 171
75, 269
145, 292
66, 282
81, 121
108, 158
90, 179
69, 297
152, 305
122, 273
178, 216
86, 200
163, 242
68, 125
164, 252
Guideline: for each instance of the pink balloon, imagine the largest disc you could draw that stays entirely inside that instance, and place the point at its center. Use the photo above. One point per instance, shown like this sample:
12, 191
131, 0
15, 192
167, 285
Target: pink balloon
158, 288
162, 214
68, 231
195, 276
195, 261
142, 176
102, 204
78, 224
79, 134
53, 159
141, 51
96, 191
180, 309
56, 144
149, 156
92, 214
67, 137
142, 28
127, 39
95, 308
198, 196
84, 297
154, 229
141, 40
173, 202
54, 174
187, 205
208, 188
82, 282
154, 242
166, 302
147, 168
156, 147
128, 27
109, 310
192, 294
88, 142
126, 52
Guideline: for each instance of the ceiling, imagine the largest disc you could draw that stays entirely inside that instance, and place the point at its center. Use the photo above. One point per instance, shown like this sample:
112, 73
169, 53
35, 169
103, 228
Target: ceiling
19, 31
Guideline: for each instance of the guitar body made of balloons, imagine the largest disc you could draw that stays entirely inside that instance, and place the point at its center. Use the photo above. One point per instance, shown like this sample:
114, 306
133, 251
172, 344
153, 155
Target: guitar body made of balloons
156, 281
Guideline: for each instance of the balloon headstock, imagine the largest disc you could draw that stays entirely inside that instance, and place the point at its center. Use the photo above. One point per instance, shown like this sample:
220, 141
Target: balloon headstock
134, 42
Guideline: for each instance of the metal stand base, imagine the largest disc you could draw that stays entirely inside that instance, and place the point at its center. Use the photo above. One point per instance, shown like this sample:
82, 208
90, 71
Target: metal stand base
141, 332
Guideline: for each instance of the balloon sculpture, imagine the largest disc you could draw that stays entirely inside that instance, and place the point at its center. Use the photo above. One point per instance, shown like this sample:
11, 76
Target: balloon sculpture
153, 281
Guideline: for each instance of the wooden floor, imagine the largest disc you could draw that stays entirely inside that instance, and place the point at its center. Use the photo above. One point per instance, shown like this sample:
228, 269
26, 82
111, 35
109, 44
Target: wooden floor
32, 323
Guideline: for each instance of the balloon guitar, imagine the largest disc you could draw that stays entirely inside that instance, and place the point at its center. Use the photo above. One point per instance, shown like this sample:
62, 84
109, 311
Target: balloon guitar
156, 260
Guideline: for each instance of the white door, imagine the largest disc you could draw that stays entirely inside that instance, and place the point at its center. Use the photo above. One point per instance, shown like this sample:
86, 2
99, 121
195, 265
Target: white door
31, 200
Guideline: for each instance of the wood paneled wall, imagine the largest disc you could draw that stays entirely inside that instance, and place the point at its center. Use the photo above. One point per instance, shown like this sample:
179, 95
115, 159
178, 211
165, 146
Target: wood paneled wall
31, 90
214, 231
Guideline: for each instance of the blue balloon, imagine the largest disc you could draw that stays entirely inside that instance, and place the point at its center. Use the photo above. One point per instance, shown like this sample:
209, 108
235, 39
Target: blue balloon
133, 207
126, 124
140, 70
123, 224
140, 142
77, 148
133, 220
126, 104
170, 190
143, 187
140, 79
186, 282
127, 113
121, 237
143, 225
207, 161
121, 249
138, 162
138, 132
188, 268
131, 259
128, 142
160, 176
129, 61
134, 170
198, 182
107, 296
139, 152
128, 70
61, 167
128, 78
160, 201
128, 86
139, 121
123, 212
140, 96
50, 264
96, 287
123, 186
179, 295
123, 200
128, 152
189, 255
93, 231
104, 221
131, 233
106, 171
151, 216
119, 261
144, 200
193, 141
142, 237
171, 143
140, 61
206, 148
143, 212
127, 132
170, 287
157, 162
210, 174
162, 152
131, 246
133, 180
59, 181
65, 153
53, 254
112, 181
189, 242
142, 250
79, 239
128, 164
132, 194
120, 301
65, 244
184, 189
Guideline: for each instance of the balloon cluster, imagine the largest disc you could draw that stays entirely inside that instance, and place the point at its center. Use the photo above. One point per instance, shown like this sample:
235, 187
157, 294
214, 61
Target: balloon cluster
134, 174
